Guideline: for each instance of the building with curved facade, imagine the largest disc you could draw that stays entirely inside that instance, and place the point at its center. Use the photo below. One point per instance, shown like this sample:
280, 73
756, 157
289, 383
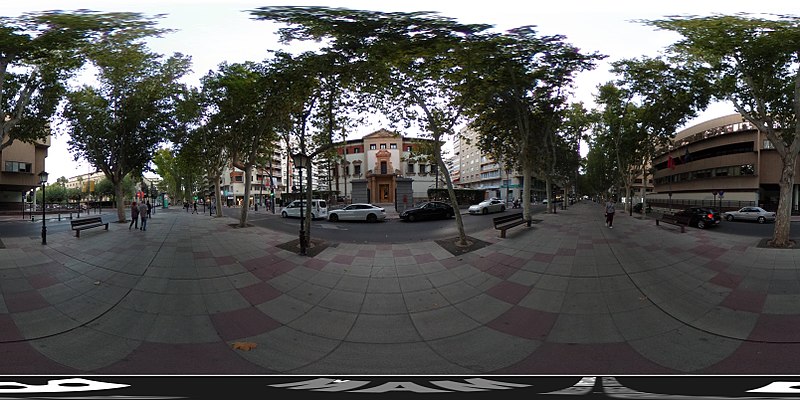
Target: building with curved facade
724, 162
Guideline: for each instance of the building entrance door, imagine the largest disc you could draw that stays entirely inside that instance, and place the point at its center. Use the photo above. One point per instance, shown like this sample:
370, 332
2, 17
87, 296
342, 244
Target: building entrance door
383, 192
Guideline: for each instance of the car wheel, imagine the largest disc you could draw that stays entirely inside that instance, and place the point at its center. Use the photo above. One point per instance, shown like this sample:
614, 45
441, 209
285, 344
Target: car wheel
761, 220
485, 211
333, 218
729, 217
371, 218
701, 224
284, 215
412, 218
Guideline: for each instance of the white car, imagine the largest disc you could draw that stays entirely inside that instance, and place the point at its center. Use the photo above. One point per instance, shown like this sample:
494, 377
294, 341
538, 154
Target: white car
750, 214
487, 206
319, 209
358, 212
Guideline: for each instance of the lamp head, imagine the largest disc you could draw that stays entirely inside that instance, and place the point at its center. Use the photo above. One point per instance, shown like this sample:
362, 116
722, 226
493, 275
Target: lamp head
42, 177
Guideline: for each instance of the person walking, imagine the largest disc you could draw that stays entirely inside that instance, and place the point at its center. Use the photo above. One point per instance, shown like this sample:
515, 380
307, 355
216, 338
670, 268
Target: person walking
134, 216
610, 210
194, 207
143, 215
149, 210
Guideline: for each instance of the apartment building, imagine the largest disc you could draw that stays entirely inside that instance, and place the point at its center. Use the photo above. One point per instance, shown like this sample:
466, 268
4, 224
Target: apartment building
477, 170
726, 161
21, 164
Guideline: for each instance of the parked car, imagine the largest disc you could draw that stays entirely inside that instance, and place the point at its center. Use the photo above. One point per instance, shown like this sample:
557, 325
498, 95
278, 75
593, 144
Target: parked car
487, 206
319, 209
637, 208
757, 214
358, 212
428, 210
700, 217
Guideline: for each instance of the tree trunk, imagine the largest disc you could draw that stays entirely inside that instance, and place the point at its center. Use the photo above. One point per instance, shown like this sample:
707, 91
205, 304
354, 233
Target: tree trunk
628, 199
526, 191
120, 201
217, 194
462, 235
248, 177
780, 237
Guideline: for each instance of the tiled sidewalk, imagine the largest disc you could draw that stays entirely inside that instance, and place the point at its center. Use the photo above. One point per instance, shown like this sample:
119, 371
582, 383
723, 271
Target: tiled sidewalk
567, 296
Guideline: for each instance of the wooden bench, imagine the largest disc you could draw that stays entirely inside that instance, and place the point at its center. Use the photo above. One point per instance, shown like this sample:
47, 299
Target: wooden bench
673, 220
504, 222
85, 223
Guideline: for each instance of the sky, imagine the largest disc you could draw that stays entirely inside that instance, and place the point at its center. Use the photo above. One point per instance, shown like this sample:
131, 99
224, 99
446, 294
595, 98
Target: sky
218, 31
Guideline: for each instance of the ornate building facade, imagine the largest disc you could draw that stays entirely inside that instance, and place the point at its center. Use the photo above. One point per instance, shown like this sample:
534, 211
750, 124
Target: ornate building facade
380, 160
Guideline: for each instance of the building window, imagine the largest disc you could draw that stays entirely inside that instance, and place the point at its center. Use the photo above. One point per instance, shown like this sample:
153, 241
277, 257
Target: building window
721, 171
434, 168
383, 145
347, 170
356, 150
410, 168
16, 166
372, 146
357, 170
383, 167
747, 169
422, 168
237, 178
768, 144
408, 148
393, 146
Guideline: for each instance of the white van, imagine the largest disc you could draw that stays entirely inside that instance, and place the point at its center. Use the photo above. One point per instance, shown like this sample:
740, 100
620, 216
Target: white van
319, 209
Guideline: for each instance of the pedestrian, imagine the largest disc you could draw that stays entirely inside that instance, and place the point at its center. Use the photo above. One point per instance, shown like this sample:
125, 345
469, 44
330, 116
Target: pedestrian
186, 206
149, 210
610, 210
143, 215
194, 210
134, 216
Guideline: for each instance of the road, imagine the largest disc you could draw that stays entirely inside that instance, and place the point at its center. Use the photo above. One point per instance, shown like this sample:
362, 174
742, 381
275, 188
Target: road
389, 231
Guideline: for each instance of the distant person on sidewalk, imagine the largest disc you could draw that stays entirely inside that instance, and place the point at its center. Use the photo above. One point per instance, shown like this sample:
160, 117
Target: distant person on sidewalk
143, 215
194, 207
134, 216
149, 209
610, 210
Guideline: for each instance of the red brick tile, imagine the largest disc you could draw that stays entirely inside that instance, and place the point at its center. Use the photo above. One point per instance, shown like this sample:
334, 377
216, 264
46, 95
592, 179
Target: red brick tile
242, 323
509, 292
259, 293
524, 322
745, 300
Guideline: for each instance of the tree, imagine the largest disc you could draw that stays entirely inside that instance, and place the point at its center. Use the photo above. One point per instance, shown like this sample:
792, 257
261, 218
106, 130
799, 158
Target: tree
118, 124
39, 52
658, 99
754, 66
246, 104
409, 62
518, 104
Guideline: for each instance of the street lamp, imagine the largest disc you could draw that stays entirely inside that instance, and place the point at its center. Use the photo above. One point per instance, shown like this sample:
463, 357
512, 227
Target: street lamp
260, 192
300, 161
43, 181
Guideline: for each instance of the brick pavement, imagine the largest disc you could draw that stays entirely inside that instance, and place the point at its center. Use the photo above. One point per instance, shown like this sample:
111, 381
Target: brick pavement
566, 296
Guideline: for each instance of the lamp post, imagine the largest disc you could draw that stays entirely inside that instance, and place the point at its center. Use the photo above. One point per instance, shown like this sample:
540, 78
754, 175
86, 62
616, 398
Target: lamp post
300, 161
43, 181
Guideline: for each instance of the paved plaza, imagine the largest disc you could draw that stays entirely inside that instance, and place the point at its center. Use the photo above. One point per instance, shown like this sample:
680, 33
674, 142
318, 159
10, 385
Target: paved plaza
194, 295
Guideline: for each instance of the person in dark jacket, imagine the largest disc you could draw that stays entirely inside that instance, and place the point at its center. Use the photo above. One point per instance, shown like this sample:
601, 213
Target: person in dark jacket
134, 216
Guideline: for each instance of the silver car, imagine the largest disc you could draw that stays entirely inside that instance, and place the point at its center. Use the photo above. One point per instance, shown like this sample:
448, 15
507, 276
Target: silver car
487, 206
358, 212
750, 214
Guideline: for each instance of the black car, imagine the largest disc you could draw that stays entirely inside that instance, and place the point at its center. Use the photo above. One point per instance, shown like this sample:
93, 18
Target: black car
428, 210
637, 208
700, 217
